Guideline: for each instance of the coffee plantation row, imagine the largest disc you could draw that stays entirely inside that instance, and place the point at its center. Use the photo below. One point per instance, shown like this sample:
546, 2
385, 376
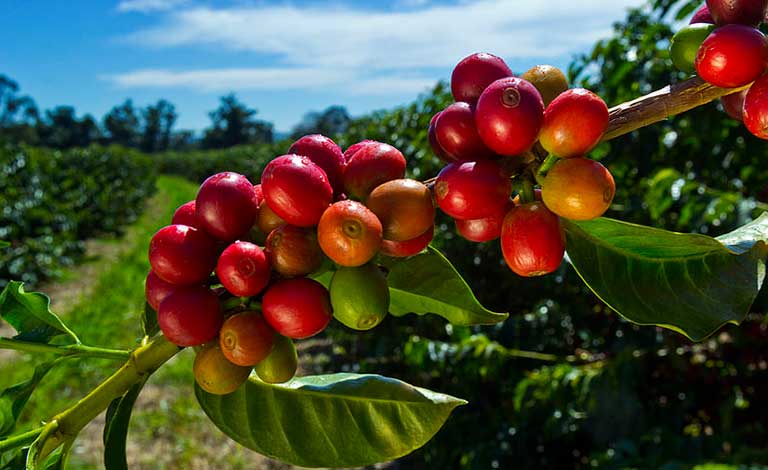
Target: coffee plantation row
51, 201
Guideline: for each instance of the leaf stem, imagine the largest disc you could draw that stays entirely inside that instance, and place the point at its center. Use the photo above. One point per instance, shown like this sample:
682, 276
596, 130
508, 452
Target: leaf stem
20, 440
72, 350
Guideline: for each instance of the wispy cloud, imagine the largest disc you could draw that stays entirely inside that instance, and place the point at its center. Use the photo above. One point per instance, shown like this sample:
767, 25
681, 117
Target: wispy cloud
146, 6
364, 51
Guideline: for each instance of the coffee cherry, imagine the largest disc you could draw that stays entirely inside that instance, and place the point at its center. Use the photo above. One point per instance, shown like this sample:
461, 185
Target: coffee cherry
550, 81
404, 208
296, 189
746, 12
578, 189
155, 289
268, 220
409, 247
733, 104
472, 190
702, 15
246, 339
186, 215
215, 374
573, 123
349, 233
482, 230
685, 45
258, 194
190, 316
353, 149
756, 108
532, 240
372, 165
297, 308
432, 136
281, 364
474, 73
182, 255
243, 269
324, 153
359, 296
509, 115
293, 251
456, 133
226, 205
732, 56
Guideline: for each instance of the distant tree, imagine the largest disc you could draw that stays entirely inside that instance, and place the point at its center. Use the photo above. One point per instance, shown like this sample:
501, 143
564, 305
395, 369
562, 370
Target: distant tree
158, 126
18, 114
62, 129
233, 124
333, 121
122, 125
182, 140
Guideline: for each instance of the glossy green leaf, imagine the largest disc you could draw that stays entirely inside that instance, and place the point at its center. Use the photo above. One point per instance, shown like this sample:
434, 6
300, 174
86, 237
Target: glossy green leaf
14, 398
339, 420
689, 283
149, 324
116, 424
428, 283
30, 314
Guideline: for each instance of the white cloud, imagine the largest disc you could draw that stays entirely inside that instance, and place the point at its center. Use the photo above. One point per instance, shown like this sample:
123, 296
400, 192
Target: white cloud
145, 6
365, 51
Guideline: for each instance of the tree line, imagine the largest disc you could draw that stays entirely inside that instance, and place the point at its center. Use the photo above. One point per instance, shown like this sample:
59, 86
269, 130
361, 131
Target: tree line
149, 129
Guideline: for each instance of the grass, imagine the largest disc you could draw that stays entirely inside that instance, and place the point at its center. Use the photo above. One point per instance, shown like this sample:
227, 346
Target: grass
168, 428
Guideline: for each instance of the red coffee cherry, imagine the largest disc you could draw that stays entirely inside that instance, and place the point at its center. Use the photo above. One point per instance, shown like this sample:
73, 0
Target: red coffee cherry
258, 194
578, 189
404, 208
733, 104
409, 247
732, 56
532, 240
456, 133
182, 255
324, 153
756, 108
438, 150
353, 149
574, 123
509, 115
190, 316
246, 339
474, 73
746, 12
472, 190
243, 269
226, 205
297, 308
294, 251
155, 289
349, 233
372, 165
186, 215
702, 15
485, 229
296, 189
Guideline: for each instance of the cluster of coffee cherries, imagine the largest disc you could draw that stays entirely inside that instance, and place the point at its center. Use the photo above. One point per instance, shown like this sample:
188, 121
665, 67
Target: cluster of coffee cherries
497, 133
723, 45
232, 274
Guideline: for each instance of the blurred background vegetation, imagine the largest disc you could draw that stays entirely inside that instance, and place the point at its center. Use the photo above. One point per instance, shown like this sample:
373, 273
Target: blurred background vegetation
608, 394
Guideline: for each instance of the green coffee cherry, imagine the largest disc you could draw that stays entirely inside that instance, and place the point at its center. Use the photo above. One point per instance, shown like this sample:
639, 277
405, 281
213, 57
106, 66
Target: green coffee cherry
685, 45
359, 296
280, 366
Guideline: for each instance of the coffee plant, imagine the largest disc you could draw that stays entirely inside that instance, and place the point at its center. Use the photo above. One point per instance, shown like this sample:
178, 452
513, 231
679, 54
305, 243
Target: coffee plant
245, 270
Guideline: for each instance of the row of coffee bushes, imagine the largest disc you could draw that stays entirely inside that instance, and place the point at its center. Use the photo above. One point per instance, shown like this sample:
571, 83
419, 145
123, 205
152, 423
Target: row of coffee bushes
197, 165
50, 201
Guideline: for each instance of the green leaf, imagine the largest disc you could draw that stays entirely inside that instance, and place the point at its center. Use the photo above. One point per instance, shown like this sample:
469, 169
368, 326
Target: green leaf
4, 244
428, 283
692, 284
339, 420
30, 314
14, 398
149, 324
118, 419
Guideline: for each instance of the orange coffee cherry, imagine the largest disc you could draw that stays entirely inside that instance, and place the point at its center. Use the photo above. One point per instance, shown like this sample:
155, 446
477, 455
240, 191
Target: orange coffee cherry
349, 233
404, 208
246, 339
578, 189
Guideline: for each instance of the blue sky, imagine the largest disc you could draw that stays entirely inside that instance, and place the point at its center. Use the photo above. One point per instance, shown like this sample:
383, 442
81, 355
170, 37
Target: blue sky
284, 58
